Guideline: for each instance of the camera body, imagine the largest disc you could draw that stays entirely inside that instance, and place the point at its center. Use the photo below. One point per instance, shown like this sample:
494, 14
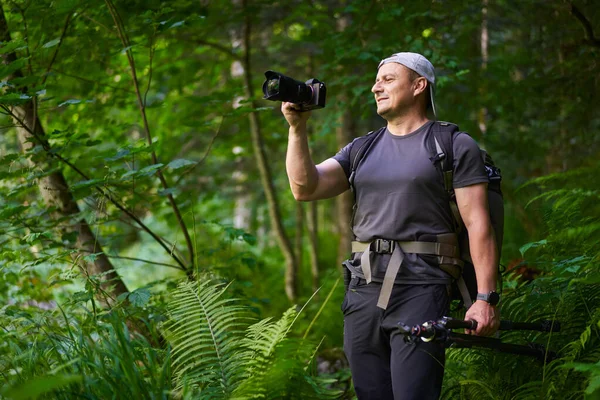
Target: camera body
310, 95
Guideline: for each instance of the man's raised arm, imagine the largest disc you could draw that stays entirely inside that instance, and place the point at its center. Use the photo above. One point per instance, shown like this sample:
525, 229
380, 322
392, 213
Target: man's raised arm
307, 180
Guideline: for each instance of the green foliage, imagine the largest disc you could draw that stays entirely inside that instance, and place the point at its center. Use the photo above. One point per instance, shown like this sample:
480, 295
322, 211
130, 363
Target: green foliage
567, 291
217, 355
536, 95
71, 352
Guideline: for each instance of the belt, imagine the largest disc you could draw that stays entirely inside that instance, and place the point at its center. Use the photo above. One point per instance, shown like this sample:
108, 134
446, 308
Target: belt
449, 256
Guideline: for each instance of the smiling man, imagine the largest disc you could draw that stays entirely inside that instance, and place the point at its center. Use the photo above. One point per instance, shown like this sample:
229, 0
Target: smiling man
401, 202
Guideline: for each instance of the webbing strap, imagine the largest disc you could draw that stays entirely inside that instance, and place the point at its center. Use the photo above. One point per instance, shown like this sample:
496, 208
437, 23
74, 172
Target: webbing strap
390, 276
464, 292
448, 253
457, 218
365, 263
433, 248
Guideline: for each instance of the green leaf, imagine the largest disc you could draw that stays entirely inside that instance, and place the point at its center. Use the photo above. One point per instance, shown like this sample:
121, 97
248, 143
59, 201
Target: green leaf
14, 99
180, 163
139, 297
12, 46
166, 192
11, 210
523, 249
10, 69
91, 257
248, 238
86, 184
120, 154
32, 237
146, 171
51, 43
81, 296
36, 387
71, 101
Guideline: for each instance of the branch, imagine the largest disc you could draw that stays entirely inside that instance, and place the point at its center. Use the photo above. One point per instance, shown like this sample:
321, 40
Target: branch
205, 154
91, 81
151, 57
102, 191
219, 47
96, 22
145, 261
142, 107
587, 26
34, 99
62, 36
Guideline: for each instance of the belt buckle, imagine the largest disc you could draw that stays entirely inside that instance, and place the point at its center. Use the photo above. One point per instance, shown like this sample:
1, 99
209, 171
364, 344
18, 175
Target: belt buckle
384, 246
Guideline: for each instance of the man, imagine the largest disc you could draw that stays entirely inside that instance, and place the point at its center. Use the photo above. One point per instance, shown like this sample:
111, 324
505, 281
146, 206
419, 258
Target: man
400, 197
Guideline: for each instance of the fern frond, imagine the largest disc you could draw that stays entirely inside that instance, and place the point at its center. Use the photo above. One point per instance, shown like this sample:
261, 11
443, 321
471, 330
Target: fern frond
204, 331
265, 336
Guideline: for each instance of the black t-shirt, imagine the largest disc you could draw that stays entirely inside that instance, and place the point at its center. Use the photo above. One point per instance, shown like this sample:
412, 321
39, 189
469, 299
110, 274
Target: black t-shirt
400, 195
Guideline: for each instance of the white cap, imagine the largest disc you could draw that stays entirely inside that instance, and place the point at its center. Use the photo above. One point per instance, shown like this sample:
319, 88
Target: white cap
420, 65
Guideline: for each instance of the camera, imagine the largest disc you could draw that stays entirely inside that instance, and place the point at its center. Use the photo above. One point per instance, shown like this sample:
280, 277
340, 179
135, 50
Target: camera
309, 95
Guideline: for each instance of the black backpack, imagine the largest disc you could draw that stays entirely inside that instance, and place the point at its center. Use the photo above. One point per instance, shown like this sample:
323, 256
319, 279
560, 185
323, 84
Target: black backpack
442, 156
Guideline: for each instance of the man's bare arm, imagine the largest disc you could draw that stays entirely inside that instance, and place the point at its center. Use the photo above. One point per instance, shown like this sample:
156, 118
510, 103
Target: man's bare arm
307, 180
472, 203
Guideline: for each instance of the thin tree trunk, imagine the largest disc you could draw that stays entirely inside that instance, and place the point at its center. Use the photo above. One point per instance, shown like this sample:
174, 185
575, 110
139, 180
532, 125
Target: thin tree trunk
55, 192
313, 231
313, 240
299, 233
291, 267
484, 42
345, 132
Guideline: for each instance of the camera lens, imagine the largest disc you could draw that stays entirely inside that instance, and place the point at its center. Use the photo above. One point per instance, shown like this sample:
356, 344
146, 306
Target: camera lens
272, 86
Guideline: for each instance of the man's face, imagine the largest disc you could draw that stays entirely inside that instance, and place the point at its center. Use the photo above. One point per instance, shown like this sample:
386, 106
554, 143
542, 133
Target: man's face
393, 90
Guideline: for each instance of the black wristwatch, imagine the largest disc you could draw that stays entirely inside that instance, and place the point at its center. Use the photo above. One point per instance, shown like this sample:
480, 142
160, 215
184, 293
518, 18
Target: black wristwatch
492, 297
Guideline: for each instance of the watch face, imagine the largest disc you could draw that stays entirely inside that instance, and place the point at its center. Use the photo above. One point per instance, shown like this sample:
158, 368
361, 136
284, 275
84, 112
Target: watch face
493, 298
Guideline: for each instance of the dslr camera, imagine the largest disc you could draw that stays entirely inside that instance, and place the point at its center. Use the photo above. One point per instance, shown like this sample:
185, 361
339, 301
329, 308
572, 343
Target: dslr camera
309, 95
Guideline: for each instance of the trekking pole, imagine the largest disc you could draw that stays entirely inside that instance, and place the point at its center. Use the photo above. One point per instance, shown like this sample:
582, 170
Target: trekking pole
441, 331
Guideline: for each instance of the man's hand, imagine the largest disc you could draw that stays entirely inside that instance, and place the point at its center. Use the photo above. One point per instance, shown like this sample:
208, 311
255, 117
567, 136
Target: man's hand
487, 317
293, 115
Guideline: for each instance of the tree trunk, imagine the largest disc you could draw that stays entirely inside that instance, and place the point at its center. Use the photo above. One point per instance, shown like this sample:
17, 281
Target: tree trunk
299, 233
313, 229
55, 192
345, 132
484, 41
291, 267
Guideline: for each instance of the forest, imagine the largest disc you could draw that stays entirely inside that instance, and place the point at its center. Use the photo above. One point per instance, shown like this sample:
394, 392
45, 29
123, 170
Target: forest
151, 247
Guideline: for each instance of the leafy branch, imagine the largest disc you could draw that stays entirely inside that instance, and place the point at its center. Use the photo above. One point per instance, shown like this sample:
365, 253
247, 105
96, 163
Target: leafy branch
98, 188
142, 106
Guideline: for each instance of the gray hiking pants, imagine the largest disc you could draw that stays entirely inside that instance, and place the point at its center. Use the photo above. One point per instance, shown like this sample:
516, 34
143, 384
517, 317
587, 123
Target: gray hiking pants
383, 366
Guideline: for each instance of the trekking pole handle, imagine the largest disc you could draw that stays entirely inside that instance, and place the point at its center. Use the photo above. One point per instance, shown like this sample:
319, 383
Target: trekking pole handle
459, 324
542, 326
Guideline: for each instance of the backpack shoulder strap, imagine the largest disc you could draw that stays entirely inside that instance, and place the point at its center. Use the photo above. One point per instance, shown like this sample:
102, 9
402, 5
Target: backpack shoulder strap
442, 150
359, 150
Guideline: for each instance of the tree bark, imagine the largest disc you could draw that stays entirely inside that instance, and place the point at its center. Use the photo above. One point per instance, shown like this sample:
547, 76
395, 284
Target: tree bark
299, 233
56, 194
484, 42
291, 266
313, 238
345, 132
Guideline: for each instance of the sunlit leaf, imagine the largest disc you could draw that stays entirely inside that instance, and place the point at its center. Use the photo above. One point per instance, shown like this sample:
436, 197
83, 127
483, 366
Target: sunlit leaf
180, 163
36, 387
51, 43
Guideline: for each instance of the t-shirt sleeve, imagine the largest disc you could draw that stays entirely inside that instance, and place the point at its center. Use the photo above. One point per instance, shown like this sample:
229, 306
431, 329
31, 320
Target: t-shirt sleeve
343, 157
468, 164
